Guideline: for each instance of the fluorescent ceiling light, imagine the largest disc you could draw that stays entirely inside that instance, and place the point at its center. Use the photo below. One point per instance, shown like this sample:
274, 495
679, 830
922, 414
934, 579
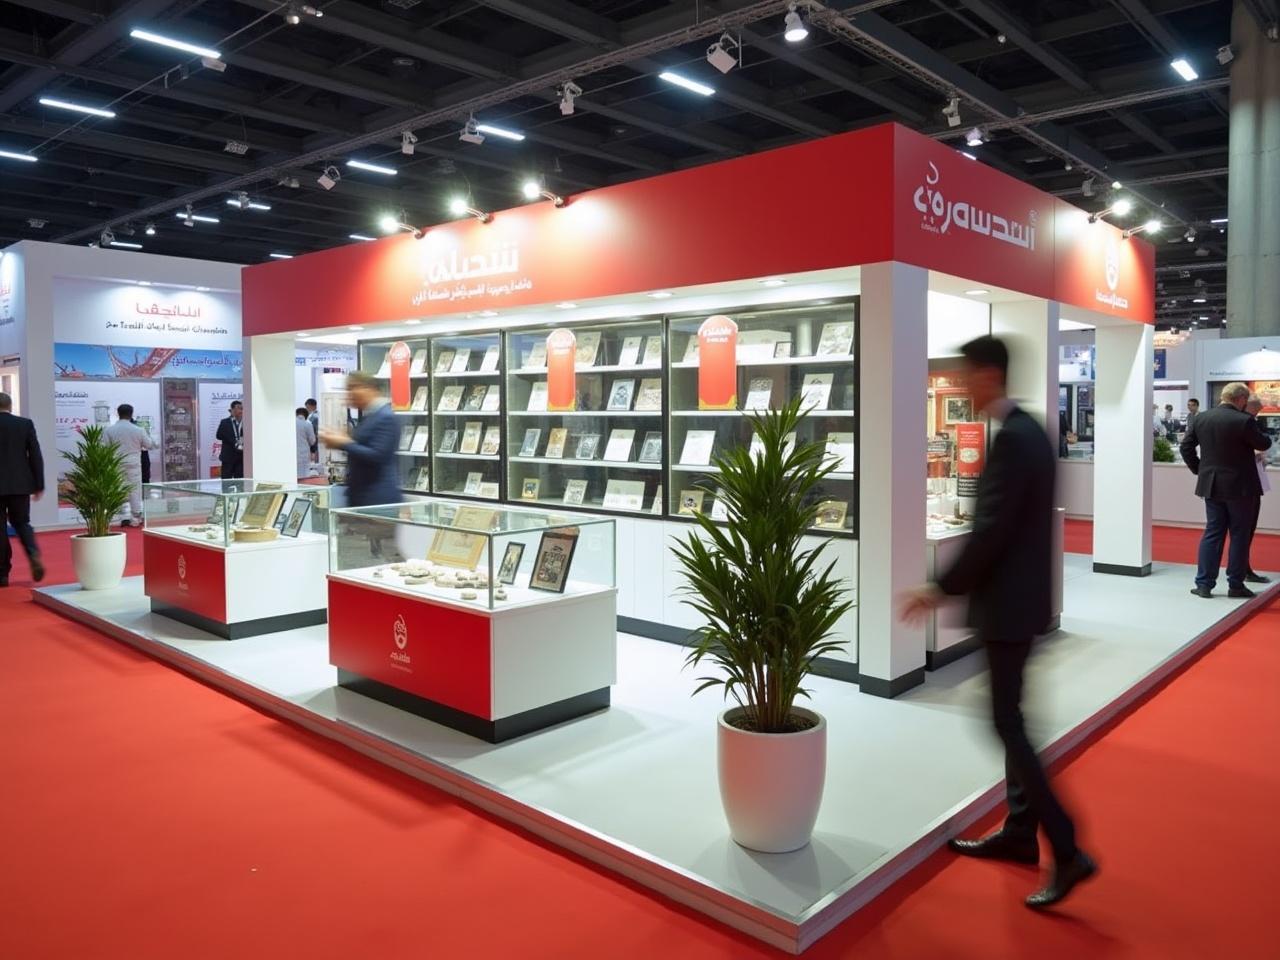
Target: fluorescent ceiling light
499, 131
144, 283
127, 246
1219, 220
1184, 69
372, 167
281, 256
150, 37
976, 293
247, 204
488, 313
196, 216
9, 154
966, 153
685, 82
78, 107
355, 328
1199, 300
360, 236
202, 289
566, 305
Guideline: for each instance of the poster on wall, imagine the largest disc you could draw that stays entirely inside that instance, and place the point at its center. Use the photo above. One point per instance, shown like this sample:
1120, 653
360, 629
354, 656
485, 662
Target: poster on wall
1160, 364
971, 452
132, 315
214, 403
78, 403
86, 360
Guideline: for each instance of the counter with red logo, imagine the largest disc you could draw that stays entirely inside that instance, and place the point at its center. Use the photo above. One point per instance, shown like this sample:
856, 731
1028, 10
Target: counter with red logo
240, 590
493, 674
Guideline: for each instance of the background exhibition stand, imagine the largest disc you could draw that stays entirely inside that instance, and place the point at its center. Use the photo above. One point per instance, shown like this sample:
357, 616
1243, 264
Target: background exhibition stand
695, 234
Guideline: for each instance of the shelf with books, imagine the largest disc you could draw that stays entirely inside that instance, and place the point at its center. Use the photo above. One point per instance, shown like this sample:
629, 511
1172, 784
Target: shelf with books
814, 413
412, 413
467, 440
469, 456
773, 362
466, 374
553, 414
602, 464
602, 368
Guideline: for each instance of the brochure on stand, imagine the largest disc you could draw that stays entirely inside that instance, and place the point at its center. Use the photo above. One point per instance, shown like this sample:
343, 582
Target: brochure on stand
697, 447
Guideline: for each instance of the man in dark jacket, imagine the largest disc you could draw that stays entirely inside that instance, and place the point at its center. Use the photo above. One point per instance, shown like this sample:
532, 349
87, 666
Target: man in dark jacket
372, 476
1219, 449
21, 479
231, 436
1006, 569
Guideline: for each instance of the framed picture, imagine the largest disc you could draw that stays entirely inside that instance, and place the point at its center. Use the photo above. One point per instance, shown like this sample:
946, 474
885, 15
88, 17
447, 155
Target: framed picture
529, 488
297, 514
831, 514
510, 563
219, 512
452, 547
261, 507
281, 517
555, 554
691, 502
957, 410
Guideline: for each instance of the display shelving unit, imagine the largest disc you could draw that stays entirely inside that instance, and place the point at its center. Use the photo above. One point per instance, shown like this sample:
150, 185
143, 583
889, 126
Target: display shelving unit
466, 396
413, 464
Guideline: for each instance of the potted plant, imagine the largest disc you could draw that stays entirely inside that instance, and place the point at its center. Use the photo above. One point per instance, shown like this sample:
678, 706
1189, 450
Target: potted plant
96, 486
1162, 451
770, 609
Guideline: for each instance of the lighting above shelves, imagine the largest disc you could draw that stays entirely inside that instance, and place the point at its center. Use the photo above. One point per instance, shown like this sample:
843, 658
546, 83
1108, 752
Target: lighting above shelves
182, 215
660, 294
534, 190
372, 167
77, 107
773, 281
461, 207
175, 44
566, 305
360, 236
682, 81
502, 132
1219, 220
126, 245
1182, 67
976, 293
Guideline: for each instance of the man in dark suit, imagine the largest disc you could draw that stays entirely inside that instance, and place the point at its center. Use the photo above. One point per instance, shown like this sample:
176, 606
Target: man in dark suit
1219, 448
21, 479
372, 476
231, 435
1006, 569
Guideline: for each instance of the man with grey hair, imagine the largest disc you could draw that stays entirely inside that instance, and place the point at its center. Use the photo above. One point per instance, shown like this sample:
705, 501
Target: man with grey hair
21, 479
1253, 407
1219, 449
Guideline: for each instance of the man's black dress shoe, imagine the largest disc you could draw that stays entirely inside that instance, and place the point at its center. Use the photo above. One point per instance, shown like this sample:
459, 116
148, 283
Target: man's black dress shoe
1256, 578
1202, 592
1240, 593
999, 846
1065, 877
37, 569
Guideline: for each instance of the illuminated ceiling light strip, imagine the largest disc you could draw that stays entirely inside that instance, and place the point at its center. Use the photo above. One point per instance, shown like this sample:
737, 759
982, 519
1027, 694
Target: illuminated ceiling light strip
280, 256
1219, 220
126, 245
500, 131
196, 216
247, 204
372, 167
1182, 67
10, 155
164, 41
360, 236
78, 107
686, 83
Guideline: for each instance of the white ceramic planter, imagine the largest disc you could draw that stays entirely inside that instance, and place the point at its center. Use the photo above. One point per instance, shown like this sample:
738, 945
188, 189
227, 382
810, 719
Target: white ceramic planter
99, 561
771, 783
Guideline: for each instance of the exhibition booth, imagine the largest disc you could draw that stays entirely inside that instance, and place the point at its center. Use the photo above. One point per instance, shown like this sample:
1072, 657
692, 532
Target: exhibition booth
561, 378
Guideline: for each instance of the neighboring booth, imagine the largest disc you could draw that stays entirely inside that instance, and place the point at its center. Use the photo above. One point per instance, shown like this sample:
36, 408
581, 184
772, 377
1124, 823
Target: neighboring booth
835, 305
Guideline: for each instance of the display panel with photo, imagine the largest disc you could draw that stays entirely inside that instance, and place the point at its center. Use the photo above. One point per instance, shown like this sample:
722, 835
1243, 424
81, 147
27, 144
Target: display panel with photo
554, 558
958, 410
510, 563
297, 514
529, 448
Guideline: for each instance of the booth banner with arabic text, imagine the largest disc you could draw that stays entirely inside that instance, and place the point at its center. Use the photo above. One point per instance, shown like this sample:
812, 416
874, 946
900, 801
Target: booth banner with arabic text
130, 315
74, 361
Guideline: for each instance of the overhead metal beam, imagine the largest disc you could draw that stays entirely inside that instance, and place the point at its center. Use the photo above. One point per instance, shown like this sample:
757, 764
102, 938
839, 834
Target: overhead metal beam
1019, 33
565, 19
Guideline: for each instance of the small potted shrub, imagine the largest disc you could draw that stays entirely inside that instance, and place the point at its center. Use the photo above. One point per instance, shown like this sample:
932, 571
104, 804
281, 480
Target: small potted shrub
1162, 451
96, 486
770, 609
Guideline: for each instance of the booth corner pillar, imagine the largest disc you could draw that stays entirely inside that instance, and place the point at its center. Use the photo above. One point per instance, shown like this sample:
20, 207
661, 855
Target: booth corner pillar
271, 438
1253, 256
893, 370
1030, 330
1122, 450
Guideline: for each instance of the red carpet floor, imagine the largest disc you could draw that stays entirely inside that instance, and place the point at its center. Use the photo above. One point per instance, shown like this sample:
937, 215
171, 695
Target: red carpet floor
144, 816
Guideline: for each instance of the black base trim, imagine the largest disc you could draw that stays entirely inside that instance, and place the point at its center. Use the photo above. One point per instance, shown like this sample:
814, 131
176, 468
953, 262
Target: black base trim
245, 628
1123, 570
935, 659
836, 669
877, 687
492, 731
680, 636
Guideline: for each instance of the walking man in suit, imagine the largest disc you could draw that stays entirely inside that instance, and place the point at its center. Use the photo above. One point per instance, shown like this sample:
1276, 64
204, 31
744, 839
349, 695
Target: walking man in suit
231, 435
21, 481
1219, 449
1006, 570
371, 448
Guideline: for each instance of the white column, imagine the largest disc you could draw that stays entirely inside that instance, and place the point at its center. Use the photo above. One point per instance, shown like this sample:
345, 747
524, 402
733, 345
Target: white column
894, 368
271, 438
1122, 451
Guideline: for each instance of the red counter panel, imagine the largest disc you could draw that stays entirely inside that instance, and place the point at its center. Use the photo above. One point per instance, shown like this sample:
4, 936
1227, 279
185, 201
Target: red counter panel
185, 575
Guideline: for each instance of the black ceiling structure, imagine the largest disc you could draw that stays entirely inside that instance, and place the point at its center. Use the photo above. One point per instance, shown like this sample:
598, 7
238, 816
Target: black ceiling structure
1070, 95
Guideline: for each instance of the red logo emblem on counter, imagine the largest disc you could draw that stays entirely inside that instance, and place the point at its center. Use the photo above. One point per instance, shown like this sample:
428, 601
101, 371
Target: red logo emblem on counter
182, 571
400, 635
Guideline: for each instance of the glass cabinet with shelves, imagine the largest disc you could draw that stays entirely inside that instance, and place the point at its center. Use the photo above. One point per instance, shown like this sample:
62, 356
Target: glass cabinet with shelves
466, 436
757, 360
413, 411
600, 443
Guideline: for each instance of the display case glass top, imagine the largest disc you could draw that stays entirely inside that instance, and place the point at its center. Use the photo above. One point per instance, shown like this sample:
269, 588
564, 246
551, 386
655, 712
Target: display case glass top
466, 437
471, 555
236, 514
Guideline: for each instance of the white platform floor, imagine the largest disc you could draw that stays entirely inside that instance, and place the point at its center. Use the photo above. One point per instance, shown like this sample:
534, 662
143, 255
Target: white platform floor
634, 788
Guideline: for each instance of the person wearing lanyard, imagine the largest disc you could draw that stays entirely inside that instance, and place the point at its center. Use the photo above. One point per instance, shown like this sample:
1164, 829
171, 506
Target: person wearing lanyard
231, 436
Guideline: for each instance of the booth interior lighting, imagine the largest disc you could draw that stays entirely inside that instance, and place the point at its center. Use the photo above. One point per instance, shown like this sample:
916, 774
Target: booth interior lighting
471, 132
976, 293
182, 45
77, 107
1219, 220
952, 112
1182, 67
686, 83
125, 244
773, 281
407, 140
372, 167
150, 231
196, 216
502, 132
725, 53
569, 93
533, 190
355, 328
660, 294
360, 236
488, 313
566, 305
10, 155
1116, 184
280, 256
460, 207
793, 28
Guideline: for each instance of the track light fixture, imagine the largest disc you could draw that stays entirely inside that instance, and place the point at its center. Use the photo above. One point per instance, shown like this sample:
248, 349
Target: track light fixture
793, 28
407, 140
293, 16
1151, 226
150, 231
107, 237
1190, 235
1086, 188
952, 112
390, 223
35, 223
1120, 208
329, 179
471, 132
725, 53
568, 94
1226, 54
289, 182
975, 137
461, 207
535, 190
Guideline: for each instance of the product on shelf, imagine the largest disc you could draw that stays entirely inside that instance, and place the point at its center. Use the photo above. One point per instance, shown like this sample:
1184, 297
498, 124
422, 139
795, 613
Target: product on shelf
575, 491
529, 448
619, 446
651, 450
691, 501
697, 447
620, 393
470, 437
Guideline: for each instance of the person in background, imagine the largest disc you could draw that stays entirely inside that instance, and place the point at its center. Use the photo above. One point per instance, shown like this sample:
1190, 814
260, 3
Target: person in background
21, 481
1253, 407
1193, 407
131, 440
306, 442
1157, 421
1005, 566
314, 419
231, 436
1170, 424
1064, 428
144, 459
372, 476
1219, 449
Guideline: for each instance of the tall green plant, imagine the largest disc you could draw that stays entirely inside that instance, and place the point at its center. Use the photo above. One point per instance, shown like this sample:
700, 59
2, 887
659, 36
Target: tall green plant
770, 608
96, 484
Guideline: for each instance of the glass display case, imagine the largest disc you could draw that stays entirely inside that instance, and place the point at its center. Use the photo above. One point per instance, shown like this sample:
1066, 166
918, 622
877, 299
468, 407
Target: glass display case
473, 555
232, 513
778, 354
466, 437
413, 455
955, 450
601, 446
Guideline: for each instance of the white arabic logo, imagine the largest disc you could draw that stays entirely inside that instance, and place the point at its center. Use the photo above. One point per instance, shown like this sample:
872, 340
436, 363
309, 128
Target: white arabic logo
468, 275
401, 631
1113, 263
940, 215
182, 567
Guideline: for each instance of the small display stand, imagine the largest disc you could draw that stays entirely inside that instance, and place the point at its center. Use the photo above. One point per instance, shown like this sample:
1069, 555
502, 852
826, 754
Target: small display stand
493, 621
236, 558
